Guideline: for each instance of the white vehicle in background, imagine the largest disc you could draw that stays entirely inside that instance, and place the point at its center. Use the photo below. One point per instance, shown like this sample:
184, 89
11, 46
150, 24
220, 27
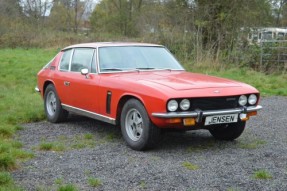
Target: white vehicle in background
258, 35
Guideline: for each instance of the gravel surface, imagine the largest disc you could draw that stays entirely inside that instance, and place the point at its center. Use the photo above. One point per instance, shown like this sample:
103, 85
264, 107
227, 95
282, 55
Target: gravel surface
89, 148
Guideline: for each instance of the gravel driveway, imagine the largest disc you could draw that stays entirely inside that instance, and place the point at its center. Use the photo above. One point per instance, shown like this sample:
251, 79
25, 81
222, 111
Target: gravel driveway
86, 149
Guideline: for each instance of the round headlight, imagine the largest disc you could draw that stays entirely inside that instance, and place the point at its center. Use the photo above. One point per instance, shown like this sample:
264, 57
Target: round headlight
252, 99
184, 104
242, 100
172, 105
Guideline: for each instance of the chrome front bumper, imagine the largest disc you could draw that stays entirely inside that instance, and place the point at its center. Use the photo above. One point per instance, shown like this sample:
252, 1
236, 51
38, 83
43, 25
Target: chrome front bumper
200, 113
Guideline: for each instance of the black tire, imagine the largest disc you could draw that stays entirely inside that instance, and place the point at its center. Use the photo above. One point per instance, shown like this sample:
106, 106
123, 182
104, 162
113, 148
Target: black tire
52, 104
227, 132
143, 135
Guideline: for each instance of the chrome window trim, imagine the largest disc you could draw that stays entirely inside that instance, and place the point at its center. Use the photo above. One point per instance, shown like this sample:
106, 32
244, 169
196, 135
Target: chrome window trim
94, 59
98, 62
89, 114
70, 63
207, 112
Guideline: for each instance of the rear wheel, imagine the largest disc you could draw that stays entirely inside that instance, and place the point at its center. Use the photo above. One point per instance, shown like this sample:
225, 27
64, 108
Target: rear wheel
53, 109
137, 129
227, 131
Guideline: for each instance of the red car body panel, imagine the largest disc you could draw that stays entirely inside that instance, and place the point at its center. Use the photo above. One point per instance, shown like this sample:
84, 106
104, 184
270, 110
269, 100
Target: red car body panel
152, 88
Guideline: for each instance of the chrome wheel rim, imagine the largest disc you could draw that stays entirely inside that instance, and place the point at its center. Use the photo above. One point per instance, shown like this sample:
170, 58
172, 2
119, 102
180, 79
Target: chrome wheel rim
134, 124
51, 103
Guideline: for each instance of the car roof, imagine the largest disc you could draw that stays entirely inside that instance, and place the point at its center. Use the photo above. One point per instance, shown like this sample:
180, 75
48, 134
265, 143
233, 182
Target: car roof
109, 44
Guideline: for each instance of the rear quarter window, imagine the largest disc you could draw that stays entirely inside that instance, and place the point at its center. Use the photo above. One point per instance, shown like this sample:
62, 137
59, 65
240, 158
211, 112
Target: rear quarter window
65, 60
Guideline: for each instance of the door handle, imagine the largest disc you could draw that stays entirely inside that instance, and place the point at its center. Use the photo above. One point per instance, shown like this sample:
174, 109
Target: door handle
66, 83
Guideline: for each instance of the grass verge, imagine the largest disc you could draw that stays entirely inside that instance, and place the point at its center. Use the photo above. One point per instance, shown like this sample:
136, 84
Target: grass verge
19, 103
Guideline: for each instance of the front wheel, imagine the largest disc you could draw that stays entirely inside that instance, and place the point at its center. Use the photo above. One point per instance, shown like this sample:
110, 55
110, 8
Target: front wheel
137, 129
53, 109
227, 132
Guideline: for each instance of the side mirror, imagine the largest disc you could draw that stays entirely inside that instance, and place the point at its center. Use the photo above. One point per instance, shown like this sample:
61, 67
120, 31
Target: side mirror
85, 72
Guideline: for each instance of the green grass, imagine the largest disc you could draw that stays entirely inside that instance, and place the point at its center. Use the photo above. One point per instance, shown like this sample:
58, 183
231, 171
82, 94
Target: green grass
272, 84
190, 166
143, 185
252, 145
262, 174
88, 136
63, 143
81, 142
52, 146
6, 182
5, 178
46, 146
19, 103
111, 137
94, 182
59, 181
68, 187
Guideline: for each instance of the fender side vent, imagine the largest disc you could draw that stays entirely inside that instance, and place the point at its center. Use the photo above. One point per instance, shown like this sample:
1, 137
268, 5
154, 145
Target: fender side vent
108, 102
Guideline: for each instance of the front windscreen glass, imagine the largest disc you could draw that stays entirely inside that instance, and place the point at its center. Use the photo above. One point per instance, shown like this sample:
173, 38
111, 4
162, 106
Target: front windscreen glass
128, 58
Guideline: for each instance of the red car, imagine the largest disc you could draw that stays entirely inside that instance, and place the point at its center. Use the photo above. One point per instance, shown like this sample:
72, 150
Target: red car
144, 89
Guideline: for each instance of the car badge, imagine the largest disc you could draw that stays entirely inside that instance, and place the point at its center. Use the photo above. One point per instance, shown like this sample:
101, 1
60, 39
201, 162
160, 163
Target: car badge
216, 91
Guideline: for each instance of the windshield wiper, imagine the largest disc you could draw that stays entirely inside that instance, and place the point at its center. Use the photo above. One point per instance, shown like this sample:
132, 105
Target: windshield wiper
170, 69
112, 69
147, 68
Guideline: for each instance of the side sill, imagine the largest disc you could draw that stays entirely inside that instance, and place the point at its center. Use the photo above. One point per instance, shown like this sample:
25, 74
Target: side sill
89, 114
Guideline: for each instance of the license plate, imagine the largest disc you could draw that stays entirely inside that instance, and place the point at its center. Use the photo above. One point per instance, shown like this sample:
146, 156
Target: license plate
219, 119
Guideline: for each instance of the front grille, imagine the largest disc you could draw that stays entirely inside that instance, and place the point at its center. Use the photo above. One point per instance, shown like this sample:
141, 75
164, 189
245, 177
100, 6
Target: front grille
214, 103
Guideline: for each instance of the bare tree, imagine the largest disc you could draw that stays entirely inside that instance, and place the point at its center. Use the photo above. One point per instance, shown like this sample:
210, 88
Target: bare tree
36, 10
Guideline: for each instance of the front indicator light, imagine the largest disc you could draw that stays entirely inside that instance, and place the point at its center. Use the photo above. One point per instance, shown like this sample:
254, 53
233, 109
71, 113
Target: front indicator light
189, 121
244, 117
252, 113
174, 120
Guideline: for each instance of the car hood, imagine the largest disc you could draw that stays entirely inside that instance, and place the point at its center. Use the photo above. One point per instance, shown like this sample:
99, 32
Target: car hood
181, 80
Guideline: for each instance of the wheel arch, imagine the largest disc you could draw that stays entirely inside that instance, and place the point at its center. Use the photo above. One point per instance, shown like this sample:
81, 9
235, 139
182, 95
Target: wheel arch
121, 104
48, 82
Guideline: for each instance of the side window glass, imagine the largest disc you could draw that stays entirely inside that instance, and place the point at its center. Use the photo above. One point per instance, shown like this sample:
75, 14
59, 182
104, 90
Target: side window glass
82, 58
65, 60
94, 63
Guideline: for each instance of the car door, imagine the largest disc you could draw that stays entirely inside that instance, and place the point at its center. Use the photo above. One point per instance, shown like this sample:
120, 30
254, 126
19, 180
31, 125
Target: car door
81, 91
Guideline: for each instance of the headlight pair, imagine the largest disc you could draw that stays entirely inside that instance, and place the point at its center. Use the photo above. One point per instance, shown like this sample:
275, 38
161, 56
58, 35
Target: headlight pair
184, 104
252, 99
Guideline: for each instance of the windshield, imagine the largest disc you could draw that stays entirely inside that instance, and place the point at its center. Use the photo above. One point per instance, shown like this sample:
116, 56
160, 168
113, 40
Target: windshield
127, 58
